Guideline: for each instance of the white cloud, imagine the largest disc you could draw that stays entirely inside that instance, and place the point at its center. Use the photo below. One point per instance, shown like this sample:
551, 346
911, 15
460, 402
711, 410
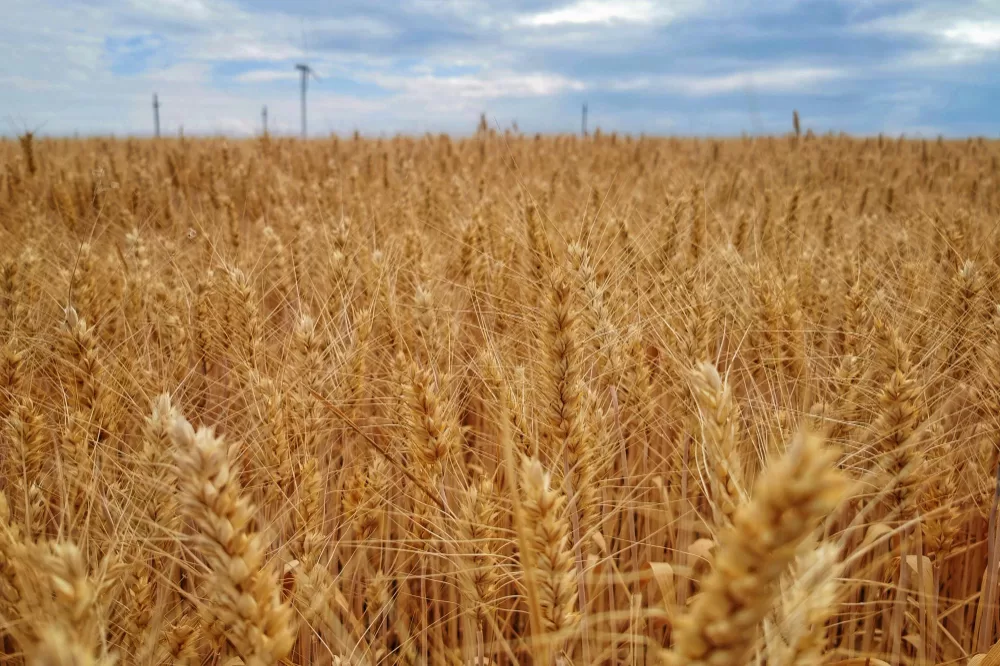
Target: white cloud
954, 35
221, 30
240, 45
26, 84
187, 73
180, 10
982, 35
587, 12
772, 80
762, 80
266, 75
485, 85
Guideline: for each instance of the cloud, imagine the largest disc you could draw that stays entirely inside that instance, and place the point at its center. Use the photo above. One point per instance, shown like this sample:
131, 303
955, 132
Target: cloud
241, 45
699, 66
947, 34
188, 73
186, 11
985, 35
782, 79
483, 86
25, 84
264, 75
769, 80
587, 12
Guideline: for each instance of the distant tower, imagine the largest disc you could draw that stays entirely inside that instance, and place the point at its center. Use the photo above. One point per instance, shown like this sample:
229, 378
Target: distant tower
583, 121
156, 116
306, 71
263, 117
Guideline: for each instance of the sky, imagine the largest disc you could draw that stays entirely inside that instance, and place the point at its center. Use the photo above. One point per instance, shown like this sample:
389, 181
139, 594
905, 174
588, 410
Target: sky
687, 67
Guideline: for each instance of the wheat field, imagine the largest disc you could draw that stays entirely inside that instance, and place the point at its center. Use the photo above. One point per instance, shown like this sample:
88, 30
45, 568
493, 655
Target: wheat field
500, 400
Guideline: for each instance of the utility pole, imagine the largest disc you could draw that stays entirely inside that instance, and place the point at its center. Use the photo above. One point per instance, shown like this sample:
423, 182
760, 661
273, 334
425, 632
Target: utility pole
263, 116
156, 116
583, 122
306, 71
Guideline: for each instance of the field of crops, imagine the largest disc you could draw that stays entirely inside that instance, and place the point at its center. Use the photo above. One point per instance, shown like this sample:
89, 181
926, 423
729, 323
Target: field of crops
500, 400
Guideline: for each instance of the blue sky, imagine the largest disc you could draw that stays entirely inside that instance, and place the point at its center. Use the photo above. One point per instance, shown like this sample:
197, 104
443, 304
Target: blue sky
705, 67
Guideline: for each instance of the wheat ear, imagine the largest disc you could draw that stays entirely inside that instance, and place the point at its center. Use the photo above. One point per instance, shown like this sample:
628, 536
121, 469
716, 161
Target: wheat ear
790, 499
242, 590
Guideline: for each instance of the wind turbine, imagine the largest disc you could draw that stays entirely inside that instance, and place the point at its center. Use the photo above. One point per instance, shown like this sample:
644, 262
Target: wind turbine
306, 72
